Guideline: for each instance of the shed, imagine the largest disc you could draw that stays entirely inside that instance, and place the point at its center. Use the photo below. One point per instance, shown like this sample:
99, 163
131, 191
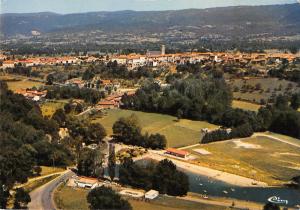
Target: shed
151, 194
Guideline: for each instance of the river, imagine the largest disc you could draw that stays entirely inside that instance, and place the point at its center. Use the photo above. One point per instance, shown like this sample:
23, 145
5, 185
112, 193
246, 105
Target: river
211, 187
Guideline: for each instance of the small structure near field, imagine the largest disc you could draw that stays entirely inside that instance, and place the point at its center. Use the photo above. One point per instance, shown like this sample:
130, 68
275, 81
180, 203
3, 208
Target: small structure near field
86, 182
177, 152
132, 193
152, 194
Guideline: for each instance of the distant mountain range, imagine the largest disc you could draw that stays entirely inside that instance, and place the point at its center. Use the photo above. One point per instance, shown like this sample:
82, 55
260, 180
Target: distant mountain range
275, 20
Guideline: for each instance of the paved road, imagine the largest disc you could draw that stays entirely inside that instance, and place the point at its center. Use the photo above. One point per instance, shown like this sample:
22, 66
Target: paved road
41, 198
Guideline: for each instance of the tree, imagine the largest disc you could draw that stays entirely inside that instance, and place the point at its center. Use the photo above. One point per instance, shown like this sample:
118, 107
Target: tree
106, 198
50, 79
111, 161
88, 75
90, 163
281, 102
22, 198
179, 114
96, 132
168, 180
60, 117
271, 206
68, 108
127, 130
295, 101
156, 141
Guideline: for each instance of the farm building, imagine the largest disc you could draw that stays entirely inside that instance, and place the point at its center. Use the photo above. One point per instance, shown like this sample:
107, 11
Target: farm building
177, 153
86, 182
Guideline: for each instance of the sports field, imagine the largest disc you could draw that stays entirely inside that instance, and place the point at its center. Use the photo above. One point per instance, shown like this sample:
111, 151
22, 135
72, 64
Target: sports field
261, 158
178, 134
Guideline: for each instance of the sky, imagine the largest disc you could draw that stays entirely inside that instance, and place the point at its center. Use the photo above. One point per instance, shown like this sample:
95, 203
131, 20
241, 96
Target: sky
78, 6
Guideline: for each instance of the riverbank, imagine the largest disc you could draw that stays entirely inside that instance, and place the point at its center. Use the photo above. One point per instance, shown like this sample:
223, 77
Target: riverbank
208, 172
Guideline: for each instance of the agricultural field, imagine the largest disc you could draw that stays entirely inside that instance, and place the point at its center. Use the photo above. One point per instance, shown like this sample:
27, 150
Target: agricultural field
18, 82
245, 105
178, 134
70, 198
49, 107
254, 90
262, 158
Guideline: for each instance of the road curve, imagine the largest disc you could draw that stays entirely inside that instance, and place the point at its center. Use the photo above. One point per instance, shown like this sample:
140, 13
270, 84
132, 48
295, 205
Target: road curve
41, 198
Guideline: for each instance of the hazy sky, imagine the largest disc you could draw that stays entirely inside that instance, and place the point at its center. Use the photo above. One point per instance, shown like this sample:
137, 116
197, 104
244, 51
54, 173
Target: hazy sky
75, 6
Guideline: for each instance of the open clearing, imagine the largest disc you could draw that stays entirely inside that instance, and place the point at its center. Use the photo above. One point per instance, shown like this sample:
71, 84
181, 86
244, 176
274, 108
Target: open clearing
178, 134
70, 198
261, 158
23, 84
48, 108
268, 87
19, 82
245, 105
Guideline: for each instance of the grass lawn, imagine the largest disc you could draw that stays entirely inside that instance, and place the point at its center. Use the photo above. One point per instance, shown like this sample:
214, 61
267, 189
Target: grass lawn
273, 162
70, 198
178, 134
245, 105
48, 108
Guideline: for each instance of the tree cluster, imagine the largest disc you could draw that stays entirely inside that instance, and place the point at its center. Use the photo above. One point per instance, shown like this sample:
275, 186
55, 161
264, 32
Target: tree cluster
25, 141
88, 95
106, 198
128, 131
196, 98
163, 177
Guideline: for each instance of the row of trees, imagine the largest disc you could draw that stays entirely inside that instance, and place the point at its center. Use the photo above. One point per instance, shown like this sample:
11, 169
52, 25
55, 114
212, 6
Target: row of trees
88, 95
25, 142
163, 177
128, 131
281, 117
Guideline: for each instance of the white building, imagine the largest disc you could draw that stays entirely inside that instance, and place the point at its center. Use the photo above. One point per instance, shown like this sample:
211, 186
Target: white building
152, 194
86, 182
8, 64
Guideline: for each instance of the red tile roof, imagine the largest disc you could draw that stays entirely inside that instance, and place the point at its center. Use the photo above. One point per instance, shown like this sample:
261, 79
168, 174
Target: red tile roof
177, 151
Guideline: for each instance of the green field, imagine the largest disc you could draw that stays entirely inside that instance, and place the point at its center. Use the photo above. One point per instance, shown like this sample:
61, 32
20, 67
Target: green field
178, 134
268, 160
268, 87
70, 198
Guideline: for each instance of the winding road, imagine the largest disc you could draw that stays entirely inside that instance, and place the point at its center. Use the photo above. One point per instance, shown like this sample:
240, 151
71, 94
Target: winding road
41, 198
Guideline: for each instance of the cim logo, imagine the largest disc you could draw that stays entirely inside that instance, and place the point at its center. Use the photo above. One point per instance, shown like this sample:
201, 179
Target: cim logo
277, 200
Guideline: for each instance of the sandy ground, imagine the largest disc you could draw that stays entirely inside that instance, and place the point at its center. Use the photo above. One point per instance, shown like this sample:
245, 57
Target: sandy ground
240, 144
212, 173
202, 151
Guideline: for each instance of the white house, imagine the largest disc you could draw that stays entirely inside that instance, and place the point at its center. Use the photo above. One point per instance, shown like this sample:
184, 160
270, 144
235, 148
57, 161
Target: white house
8, 64
152, 194
86, 182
